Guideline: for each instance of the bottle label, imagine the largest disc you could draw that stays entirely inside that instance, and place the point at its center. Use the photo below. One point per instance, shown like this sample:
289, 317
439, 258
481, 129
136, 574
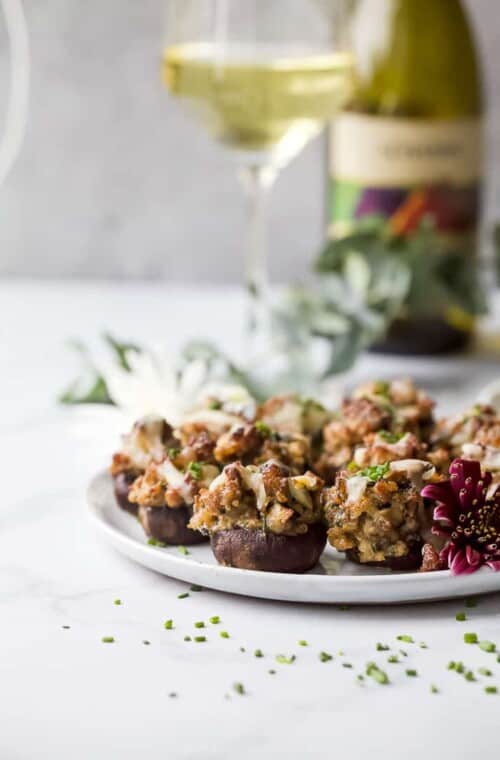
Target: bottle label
402, 171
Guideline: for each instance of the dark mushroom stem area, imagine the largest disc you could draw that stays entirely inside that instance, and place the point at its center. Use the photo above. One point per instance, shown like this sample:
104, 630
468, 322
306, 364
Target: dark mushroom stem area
169, 525
121, 484
259, 550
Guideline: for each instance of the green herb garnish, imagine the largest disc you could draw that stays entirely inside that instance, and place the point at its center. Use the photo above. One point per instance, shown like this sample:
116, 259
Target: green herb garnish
470, 603
389, 437
491, 690
200, 639
484, 672
173, 452
184, 595
411, 673
195, 469
117, 602
469, 675
215, 619
239, 688
168, 625
284, 660
376, 472
214, 405
434, 689
382, 647
194, 587
303, 643
346, 665
258, 653
325, 657
199, 624
378, 675
146, 642
108, 640
272, 672
154, 542
66, 627
406, 638
393, 658
187, 638
224, 635
183, 550
460, 617
487, 646
263, 429
470, 638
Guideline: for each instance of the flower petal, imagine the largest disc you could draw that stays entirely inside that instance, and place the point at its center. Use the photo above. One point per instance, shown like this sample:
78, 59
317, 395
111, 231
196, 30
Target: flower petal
494, 564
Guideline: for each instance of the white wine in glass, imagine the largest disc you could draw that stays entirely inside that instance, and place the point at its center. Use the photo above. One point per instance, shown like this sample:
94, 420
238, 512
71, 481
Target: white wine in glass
263, 77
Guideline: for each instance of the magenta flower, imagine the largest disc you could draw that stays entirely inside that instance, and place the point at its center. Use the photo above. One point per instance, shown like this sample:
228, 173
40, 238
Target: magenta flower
468, 516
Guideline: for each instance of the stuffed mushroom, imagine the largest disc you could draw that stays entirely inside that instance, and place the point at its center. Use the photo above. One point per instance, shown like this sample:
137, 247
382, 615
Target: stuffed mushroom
165, 495
263, 517
148, 441
377, 515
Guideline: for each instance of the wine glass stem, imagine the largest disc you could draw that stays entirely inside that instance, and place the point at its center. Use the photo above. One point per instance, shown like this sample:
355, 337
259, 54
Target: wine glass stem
257, 182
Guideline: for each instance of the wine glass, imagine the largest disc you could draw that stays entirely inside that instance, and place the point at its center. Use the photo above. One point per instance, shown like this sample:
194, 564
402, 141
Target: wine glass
263, 77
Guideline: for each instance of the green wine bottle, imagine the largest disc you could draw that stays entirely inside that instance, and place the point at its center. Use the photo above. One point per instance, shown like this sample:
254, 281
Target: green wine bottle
405, 163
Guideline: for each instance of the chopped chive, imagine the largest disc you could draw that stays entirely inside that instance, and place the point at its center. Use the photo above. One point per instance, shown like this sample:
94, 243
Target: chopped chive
434, 689
168, 625
459, 667
184, 595
487, 646
183, 550
117, 602
382, 647
325, 657
200, 639
242, 649
346, 665
239, 688
460, 617
284, 660
272, 672
411, 673
484, 672
194, 587
146, 642
199, 624
66, 627
378, 675
470, 638
340, 653
402, 651
154, 542
215, 619
360, 677
422, 645
406, 638
187, 638
258, 653
344, 607
469, 675
471, 603
224, 635
108, 640
491, 690
302, 643
452, 665
393, 658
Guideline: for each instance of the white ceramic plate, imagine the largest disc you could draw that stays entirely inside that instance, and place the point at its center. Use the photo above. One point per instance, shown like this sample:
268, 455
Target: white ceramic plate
334, 580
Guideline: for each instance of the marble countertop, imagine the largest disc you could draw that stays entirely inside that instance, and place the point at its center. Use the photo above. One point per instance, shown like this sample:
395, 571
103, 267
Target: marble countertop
63, 693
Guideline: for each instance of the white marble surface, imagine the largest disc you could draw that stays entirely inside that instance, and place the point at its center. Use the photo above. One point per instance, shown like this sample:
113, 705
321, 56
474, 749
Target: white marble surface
65, 694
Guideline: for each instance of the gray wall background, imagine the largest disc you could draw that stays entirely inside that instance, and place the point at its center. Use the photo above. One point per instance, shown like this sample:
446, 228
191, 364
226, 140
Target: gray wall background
114, 180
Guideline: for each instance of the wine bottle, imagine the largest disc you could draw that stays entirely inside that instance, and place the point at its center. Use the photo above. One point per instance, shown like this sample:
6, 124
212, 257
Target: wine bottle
405, 163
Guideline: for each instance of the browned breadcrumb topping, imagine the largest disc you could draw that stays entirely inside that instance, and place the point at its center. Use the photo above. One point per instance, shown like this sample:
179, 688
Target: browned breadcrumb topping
378, 520
397, 407
164, 485
267, 497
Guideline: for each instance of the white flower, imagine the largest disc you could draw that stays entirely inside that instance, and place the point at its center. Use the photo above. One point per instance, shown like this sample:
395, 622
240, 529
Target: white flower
155, 385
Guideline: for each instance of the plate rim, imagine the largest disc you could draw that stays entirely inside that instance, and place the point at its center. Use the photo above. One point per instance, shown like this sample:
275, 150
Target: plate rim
314, 581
